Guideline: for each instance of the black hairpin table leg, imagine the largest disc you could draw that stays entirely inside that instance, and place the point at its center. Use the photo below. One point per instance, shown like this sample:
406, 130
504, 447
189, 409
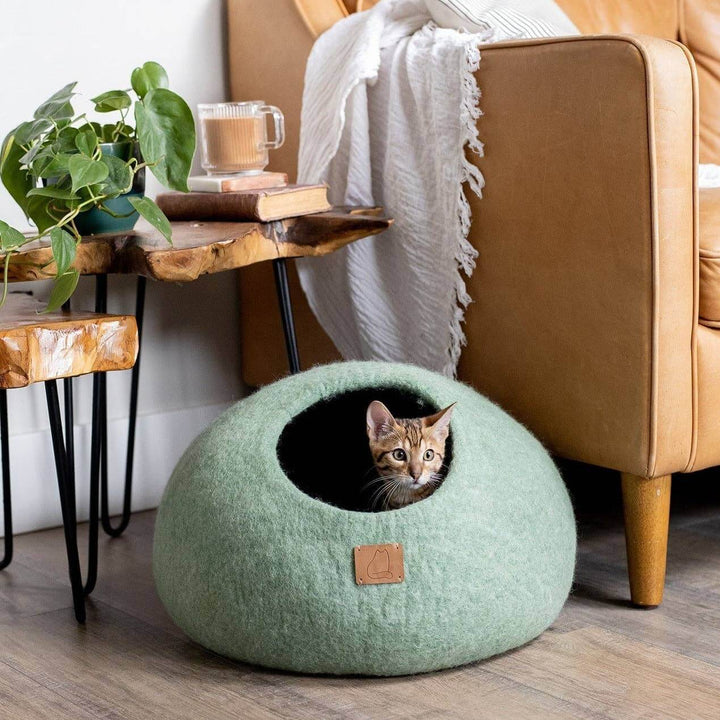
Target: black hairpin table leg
94, 489
69, 421
7, 504
101, 393
66, 487
283, 293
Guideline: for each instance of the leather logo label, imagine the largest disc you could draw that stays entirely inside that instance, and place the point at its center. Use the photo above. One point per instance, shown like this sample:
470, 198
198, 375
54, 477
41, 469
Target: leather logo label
379, 564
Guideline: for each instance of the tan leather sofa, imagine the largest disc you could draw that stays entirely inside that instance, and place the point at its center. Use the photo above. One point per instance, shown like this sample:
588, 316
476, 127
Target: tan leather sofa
596, 313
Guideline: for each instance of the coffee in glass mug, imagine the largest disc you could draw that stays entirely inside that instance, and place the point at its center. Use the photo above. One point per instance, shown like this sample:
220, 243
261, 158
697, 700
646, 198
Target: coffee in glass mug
234, 137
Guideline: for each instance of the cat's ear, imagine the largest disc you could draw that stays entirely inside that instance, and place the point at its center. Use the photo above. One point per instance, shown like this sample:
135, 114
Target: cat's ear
440, 421
379, 420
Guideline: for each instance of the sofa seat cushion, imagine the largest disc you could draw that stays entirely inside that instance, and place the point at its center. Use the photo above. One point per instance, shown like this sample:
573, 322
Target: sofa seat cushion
710, 257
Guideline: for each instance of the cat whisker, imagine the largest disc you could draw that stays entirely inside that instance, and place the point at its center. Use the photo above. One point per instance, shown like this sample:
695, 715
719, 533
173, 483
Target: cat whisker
388, 496
381, 491
378, 495
388, 478
370, 483
397, 488
382, 500
382, 479
387, 491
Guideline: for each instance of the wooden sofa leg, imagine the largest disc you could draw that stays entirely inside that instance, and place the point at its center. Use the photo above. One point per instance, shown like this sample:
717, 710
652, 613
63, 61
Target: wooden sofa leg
646, 502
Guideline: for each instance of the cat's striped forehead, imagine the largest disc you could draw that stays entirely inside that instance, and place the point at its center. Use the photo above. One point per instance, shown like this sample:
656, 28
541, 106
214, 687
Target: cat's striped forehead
412, 430
409, 433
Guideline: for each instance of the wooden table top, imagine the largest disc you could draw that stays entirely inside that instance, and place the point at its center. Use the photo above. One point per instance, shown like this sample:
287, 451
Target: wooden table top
204, 247
36, 346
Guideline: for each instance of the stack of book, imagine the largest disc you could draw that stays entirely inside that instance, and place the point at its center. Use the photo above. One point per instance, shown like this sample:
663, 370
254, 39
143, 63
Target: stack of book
264, 197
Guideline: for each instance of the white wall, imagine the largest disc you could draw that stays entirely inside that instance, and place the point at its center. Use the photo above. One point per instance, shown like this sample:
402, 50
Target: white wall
190, 363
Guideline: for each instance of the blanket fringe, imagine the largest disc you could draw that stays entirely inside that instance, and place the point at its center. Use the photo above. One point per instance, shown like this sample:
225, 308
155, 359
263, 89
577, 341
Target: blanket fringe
471, 176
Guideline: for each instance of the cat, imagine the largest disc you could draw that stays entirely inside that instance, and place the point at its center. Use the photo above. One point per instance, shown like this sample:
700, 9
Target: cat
408, 455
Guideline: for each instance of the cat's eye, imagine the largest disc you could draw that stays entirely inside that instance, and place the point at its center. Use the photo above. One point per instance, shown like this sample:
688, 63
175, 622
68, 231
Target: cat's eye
399, 454
429, 455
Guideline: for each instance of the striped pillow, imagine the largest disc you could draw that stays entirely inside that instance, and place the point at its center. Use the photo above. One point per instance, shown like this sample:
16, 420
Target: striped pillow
509, 18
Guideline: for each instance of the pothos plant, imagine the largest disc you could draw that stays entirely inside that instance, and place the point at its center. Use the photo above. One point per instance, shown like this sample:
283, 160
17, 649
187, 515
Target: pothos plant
54, 167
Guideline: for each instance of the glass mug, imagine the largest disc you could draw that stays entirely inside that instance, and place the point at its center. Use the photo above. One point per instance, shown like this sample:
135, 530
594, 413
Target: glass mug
234, 138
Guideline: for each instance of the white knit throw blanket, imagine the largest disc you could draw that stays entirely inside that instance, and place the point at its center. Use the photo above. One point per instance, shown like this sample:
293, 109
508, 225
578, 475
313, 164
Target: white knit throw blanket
389, 107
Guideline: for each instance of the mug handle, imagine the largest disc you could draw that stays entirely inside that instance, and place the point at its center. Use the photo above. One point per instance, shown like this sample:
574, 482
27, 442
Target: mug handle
279, 121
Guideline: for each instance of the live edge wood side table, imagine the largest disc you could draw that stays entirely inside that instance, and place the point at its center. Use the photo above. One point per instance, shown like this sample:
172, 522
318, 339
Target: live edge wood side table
199, 248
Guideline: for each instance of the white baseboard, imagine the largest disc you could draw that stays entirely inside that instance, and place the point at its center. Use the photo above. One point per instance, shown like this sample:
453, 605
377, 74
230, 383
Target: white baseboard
160, 441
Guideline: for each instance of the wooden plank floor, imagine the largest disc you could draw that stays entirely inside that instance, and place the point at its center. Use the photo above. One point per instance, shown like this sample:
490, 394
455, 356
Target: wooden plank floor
601, 659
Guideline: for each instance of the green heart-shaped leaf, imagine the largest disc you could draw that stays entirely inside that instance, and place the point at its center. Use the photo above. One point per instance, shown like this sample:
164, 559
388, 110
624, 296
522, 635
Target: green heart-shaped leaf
106, 132
112, 100
85, 171
150, 76
120, 176
51, 165
29, 131
166, 133
10, 238
41, 159
125, 132
65, 140
57, 105
153, 214
32, 153
38, 210
63, 249
16, 180
86, 140
53, 191
62, 290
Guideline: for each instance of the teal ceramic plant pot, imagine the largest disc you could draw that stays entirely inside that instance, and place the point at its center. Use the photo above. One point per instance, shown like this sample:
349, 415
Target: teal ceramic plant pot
95, 221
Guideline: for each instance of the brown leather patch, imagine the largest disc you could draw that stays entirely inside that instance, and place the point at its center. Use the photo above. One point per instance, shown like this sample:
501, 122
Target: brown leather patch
379, 564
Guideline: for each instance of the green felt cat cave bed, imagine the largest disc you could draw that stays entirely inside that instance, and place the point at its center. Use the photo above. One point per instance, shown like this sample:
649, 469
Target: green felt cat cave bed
265, 550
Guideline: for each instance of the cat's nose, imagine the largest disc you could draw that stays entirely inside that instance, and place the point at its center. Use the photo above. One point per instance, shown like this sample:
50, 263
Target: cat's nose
415, 473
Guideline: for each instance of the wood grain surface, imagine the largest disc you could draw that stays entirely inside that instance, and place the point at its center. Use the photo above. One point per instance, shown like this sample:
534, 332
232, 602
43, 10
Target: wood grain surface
35, 347
200, 248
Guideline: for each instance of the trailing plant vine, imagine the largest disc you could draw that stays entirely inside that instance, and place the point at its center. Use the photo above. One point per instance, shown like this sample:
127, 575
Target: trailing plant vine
54, 168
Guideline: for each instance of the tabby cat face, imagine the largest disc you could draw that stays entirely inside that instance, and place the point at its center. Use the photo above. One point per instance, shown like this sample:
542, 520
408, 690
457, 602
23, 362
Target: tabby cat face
408, 454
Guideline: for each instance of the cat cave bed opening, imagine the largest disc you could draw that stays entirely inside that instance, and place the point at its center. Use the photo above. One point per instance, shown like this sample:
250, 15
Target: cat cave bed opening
258, 531
328, 441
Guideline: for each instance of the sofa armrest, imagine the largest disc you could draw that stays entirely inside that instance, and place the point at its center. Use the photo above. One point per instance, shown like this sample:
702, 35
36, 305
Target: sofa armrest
585, 293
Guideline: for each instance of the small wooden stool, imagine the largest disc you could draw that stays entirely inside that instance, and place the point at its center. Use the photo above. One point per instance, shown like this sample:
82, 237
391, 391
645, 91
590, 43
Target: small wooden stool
44, 348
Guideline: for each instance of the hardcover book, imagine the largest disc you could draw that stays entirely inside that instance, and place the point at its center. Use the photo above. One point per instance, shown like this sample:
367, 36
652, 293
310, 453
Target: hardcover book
263, 204
235, 183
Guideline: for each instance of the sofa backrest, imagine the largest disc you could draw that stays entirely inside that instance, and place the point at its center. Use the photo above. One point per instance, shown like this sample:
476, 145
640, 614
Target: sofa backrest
699, 29
696, 23
646, 17
268, 50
